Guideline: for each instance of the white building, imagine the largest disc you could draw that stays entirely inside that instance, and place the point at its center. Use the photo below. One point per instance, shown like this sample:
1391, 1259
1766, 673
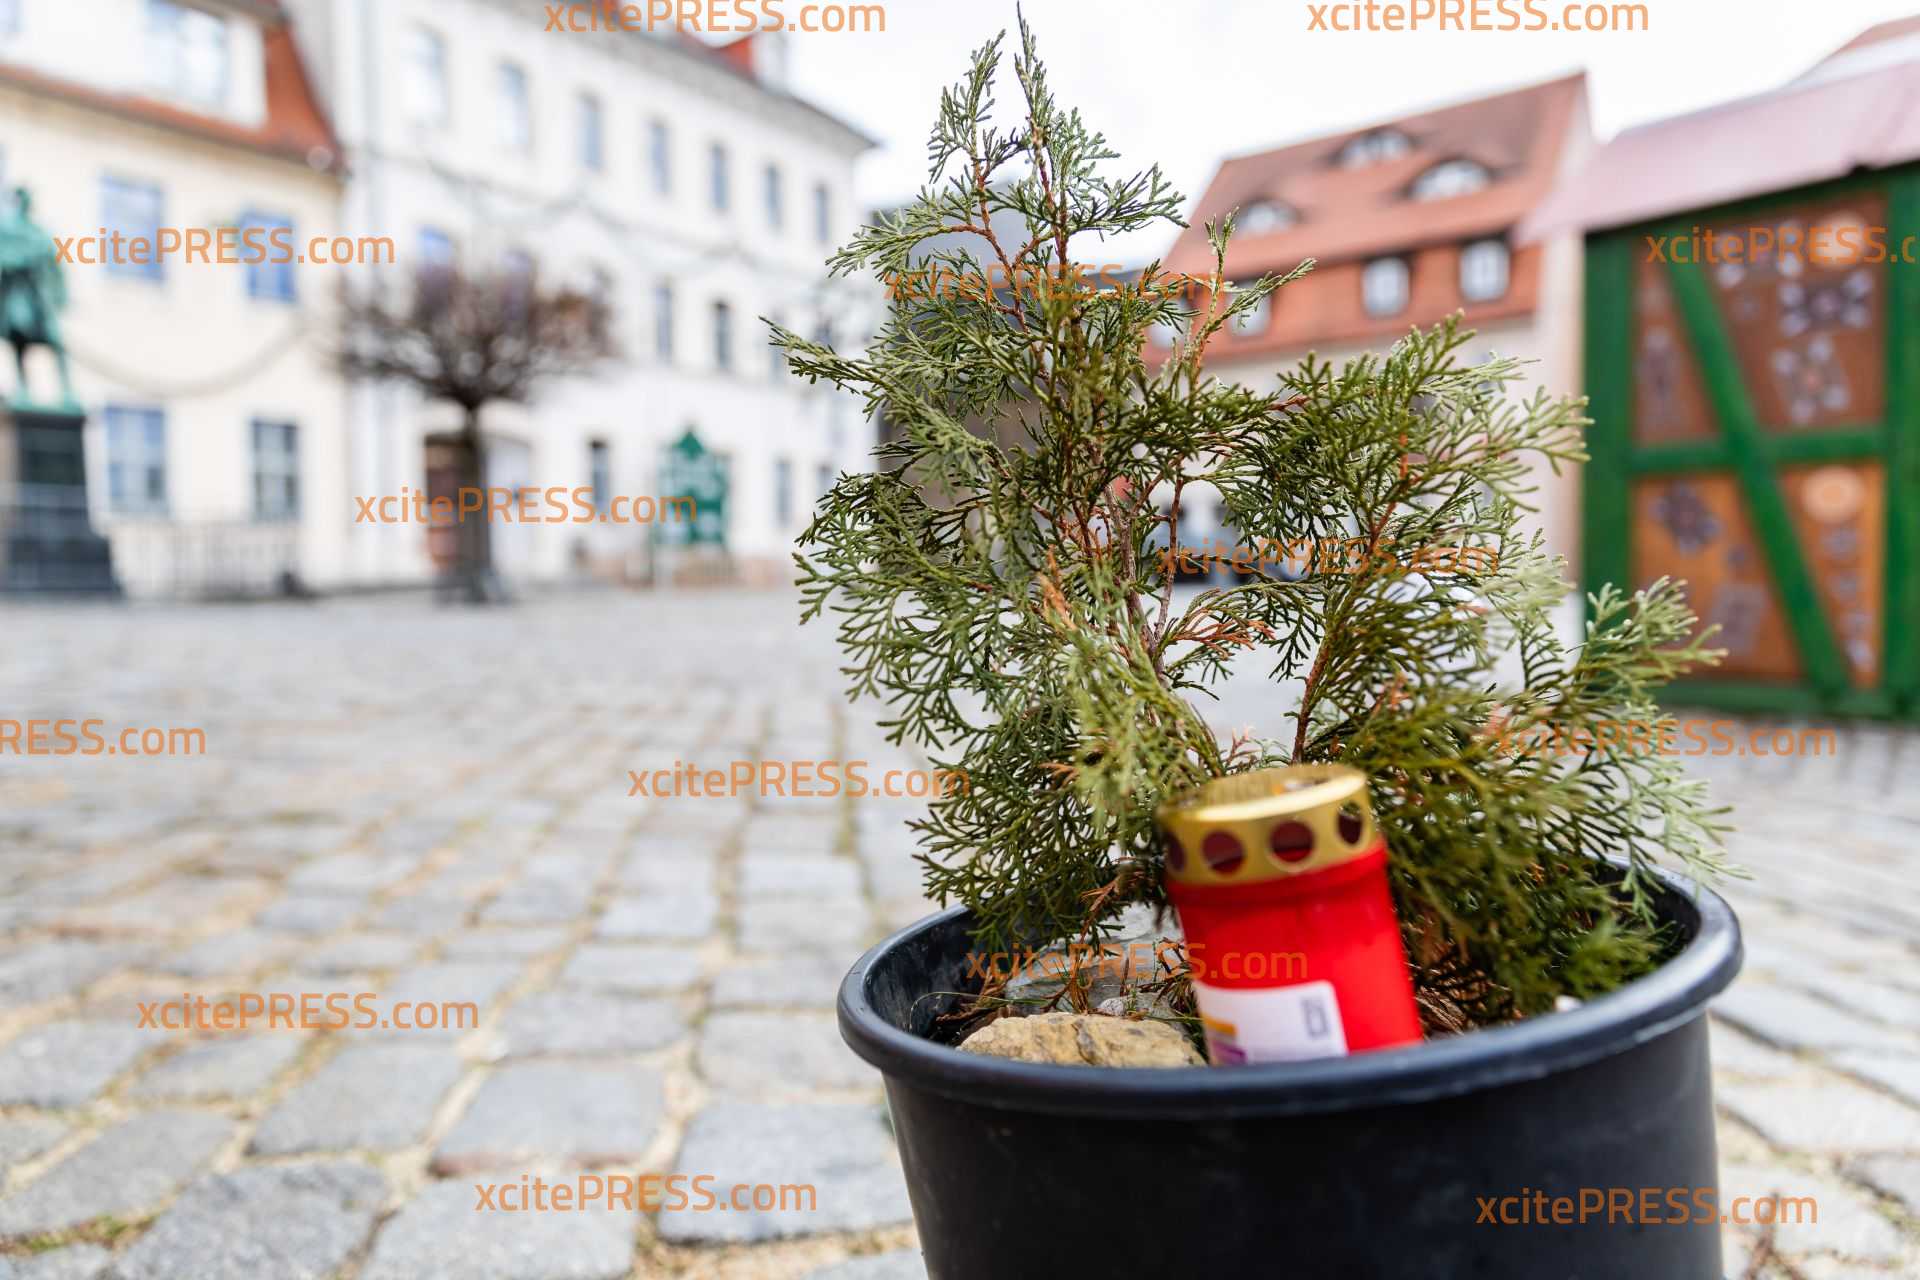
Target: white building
682, 180
214, 419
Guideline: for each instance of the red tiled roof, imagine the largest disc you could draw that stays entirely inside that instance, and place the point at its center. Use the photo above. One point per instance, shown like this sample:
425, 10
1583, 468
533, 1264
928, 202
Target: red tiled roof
294, 126
1350, 215
1363, 212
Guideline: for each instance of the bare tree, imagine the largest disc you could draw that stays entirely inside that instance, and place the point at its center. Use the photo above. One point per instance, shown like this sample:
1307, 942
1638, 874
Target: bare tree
472, 340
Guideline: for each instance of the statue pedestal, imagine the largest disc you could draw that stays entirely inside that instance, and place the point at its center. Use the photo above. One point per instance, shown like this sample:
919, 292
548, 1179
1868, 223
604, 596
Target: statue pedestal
47, 543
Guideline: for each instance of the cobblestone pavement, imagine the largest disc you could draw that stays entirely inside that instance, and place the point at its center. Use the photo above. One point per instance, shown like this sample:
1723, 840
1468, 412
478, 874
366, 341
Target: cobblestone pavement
432, 806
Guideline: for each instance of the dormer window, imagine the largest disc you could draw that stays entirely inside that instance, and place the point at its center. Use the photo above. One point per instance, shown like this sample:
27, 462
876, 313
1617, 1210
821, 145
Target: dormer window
1263, 217
1374, 147
1451, 178
189, 53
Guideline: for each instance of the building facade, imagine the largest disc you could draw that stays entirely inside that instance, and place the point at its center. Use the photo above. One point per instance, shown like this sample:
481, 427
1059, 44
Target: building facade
681, 182
213, 415
1408, 221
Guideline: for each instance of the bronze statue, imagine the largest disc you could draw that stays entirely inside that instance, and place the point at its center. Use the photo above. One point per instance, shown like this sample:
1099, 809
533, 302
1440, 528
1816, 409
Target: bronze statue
32, 294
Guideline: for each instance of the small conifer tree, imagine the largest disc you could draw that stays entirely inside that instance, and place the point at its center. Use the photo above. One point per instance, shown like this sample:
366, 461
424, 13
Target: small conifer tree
999, 582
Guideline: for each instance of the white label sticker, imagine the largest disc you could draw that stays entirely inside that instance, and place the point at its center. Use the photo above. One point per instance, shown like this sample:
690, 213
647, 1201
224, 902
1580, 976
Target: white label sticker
1271, 1024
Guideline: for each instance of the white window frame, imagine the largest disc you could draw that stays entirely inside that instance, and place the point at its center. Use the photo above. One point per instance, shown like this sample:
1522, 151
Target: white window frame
133, 453
1486, 270
429, 95
1374, 279
176, 34
275, 470
515, 97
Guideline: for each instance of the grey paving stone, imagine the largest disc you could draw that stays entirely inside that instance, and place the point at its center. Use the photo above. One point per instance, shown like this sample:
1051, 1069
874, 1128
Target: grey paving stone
75, 1262
261, 1222
48, 970
357, 952
1899, 1074
670, 871
379, 1096
1823, 1118
311, 912
1794, 1020
422, 914
660, 915
538, 901
588, 1114
238, 951
353, 873
805, 924
791, 833
492, 944
904, 1264
125, 1170
174, 906
772, 1052
23, 1137
1840, 1220
1735, 1051
844, 1152
448, 983
223, 1068
1897, 1176
604, 966
764, 875
797, 979
64, 1064
892, 872
439, 1236
581, 1022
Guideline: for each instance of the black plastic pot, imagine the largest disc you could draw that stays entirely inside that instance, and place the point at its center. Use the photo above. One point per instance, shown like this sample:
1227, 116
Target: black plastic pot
1376, 1165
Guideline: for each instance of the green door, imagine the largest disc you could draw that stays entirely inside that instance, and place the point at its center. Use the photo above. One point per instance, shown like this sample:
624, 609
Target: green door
1757, 435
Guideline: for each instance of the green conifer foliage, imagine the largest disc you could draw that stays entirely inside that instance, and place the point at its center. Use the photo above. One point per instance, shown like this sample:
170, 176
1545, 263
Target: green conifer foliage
998, 583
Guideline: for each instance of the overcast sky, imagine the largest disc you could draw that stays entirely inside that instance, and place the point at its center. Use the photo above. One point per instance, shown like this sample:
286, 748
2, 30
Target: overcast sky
1185, 82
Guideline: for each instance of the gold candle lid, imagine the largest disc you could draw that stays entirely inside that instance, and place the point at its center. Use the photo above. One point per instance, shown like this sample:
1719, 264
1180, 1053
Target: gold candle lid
1269, 824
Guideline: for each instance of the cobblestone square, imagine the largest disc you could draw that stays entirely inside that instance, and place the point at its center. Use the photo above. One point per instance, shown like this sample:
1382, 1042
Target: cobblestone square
432, 805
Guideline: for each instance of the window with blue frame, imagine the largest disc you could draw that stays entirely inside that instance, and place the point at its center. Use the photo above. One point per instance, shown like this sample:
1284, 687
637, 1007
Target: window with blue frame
782, 493
135, 210
267, 277
136, 460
